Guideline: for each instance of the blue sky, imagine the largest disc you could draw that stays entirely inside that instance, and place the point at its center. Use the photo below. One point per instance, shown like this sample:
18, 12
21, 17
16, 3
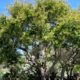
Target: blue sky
4, 3
74, 3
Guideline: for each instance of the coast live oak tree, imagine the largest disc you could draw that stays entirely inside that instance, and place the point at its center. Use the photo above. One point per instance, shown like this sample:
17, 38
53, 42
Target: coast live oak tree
48, 33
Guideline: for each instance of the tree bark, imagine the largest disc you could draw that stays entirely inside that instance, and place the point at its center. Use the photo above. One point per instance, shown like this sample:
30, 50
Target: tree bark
43, 74
62, 73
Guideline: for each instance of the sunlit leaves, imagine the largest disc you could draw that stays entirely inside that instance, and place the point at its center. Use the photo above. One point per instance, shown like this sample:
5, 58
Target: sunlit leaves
68, 31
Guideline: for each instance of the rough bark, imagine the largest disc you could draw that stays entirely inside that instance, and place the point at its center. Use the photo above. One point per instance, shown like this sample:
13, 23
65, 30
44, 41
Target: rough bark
62, 73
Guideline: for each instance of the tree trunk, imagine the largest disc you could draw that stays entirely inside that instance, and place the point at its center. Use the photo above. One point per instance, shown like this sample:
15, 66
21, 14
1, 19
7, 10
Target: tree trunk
43, 74
62, 73
71, 72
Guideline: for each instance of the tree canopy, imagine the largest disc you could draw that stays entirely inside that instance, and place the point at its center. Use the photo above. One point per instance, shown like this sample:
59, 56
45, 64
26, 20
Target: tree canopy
46, 32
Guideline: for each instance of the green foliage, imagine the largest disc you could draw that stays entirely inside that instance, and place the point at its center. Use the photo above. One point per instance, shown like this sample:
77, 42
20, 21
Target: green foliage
67, 32
77, 68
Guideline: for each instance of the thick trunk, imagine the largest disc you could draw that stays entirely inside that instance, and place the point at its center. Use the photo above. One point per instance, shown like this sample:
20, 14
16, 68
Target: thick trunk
71, 72
40, 73
62, 73
43, 74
